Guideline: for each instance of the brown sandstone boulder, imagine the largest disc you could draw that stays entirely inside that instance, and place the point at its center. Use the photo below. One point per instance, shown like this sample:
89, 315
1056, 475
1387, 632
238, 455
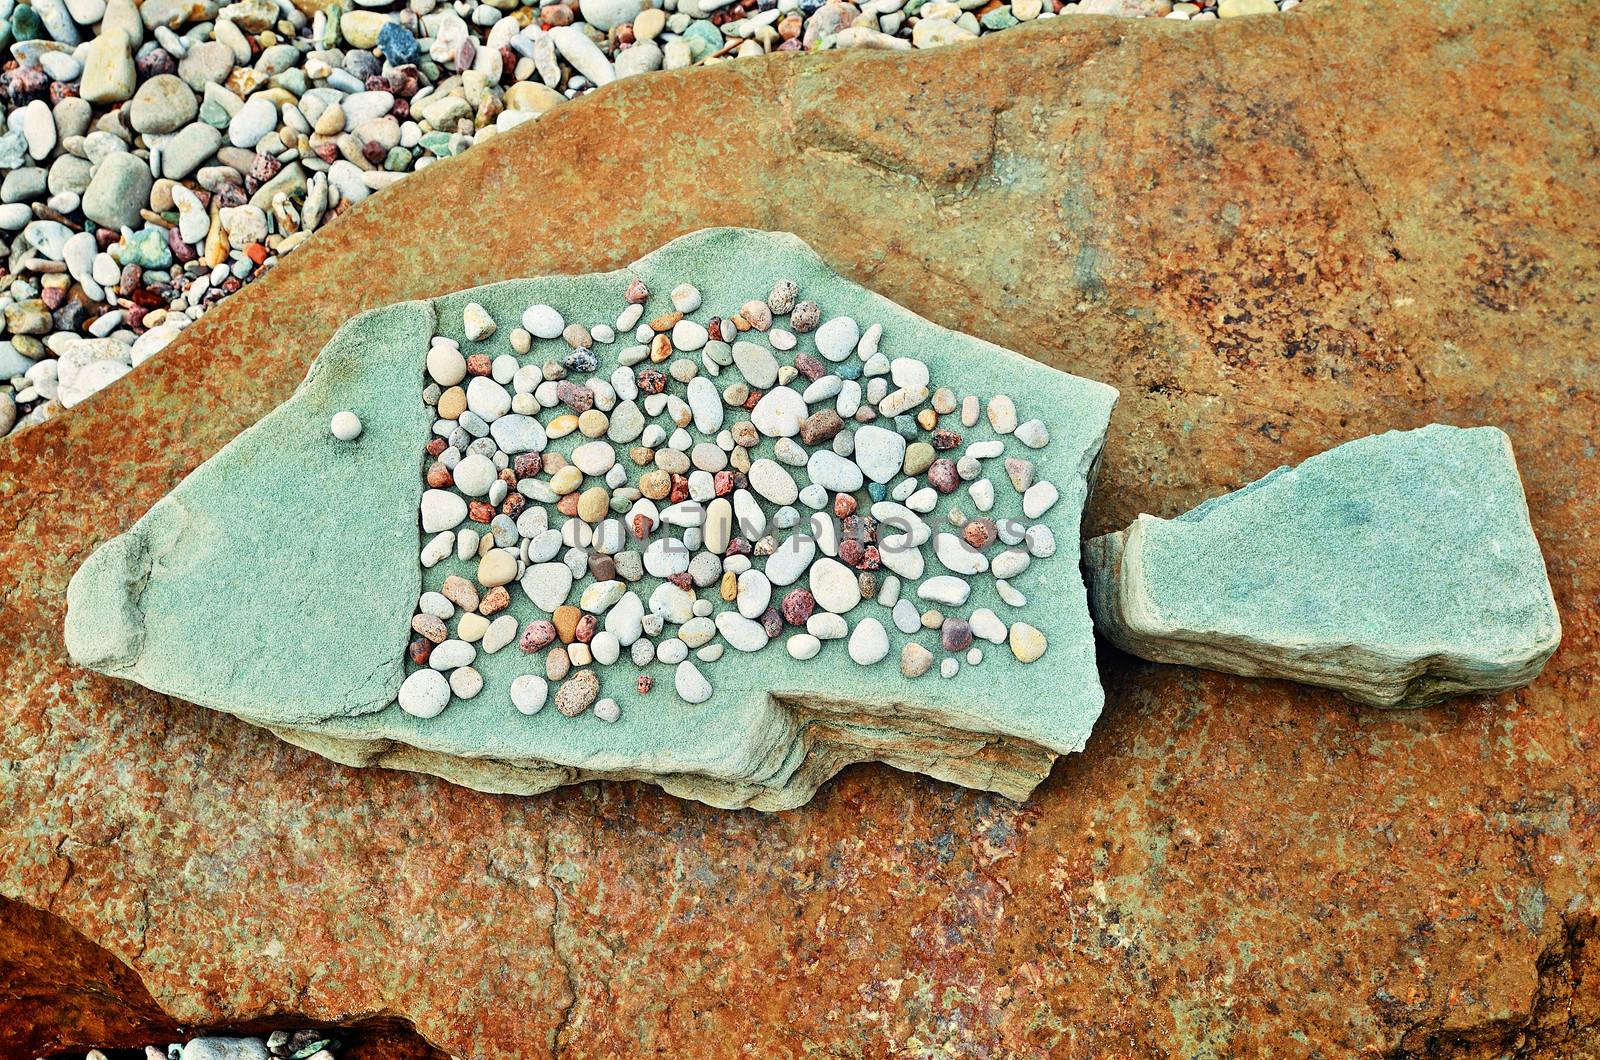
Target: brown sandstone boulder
1273, 235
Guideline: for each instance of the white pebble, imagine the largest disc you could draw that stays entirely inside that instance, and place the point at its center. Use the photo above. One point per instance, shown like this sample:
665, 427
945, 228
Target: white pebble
346, 426
869, 643
803, 646
528, 693
424, 694
607, 711
690, 684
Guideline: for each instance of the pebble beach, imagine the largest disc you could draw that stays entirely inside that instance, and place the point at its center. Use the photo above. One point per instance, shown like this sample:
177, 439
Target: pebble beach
156, 158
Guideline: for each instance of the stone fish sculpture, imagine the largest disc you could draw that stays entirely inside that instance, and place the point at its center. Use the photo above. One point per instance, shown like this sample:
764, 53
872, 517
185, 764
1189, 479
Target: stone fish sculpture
726, 522
721, 520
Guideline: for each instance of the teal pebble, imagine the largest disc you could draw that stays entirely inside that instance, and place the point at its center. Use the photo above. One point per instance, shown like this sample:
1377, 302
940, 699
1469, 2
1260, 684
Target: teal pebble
438, 143
398, 160
878, 490
147, 248
999, 18
26, 25
848, 370
703, 38
906, 426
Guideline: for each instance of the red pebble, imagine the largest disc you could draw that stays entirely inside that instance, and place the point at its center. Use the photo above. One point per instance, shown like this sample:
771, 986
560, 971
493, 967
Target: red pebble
439, 477
942, 475
956, 635
682, 581
844, 505
646, 683
420, 649
772, 622
480, 511
737, 546
851, 551
860, 527
479, 364
797, 606
641, 526
651, 381
513, 505
809, 367
588, 626
680, 489
540, 634
751, 401
527, 465
637, 292
722, 483
943, 440
871, 559
436, 447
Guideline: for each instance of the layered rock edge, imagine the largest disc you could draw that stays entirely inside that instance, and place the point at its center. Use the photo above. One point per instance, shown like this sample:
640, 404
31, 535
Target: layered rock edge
1442, 629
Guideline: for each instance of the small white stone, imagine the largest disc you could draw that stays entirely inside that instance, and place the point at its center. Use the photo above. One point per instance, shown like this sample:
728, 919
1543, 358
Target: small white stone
706, 404
869, 643
689, 335
906, 617
741, 633
547, 585
594, 458
528, 693
543, 322
1009, 594
451, 654
476, 322
908, 372
957, 556
834, 586
446, 366
685, 298
781, 339
948, 667
1033, 434
825, 625
442, 510
879, 453
837, 338
346, 426
833, 472
605, 648
502, 631
986, 625
487, 398
769, 479
780, 412
803, 646
945, 589
466, 682
425, 693
790, 559
607, 710
1002, 414
754, 594
982, 494
1040, 498
1041, 541
474, 474
690, 684
1010, 563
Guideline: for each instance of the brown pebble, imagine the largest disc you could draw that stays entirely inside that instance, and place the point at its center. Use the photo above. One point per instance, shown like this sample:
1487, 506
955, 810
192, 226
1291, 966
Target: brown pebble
980, 533
927, 419
575, 397
554, 462
945, 440
586, 628
480, 511
419, 650
495, 601
651, 380
809, 366
820, 427
578, 693
452, 403
568, 505
557, 664
566, 621
772, 622
932, 619
805, 317
868, 582
439, 477
479, 364
660, 349
798, 606
955, 634
575, 335
460, 592
665, 321
637, 292
436, 447
602, 568
527, 465
430, 626
645, 684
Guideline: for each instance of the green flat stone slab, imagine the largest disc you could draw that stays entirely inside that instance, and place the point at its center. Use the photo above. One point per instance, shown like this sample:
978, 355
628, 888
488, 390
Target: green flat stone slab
1400, 569
277, 581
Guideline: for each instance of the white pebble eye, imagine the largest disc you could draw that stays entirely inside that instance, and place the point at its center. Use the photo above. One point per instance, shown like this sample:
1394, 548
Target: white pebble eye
346, 426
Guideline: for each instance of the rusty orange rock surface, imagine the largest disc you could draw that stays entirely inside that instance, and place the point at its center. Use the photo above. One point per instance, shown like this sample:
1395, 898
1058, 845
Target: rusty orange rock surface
1272, 235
